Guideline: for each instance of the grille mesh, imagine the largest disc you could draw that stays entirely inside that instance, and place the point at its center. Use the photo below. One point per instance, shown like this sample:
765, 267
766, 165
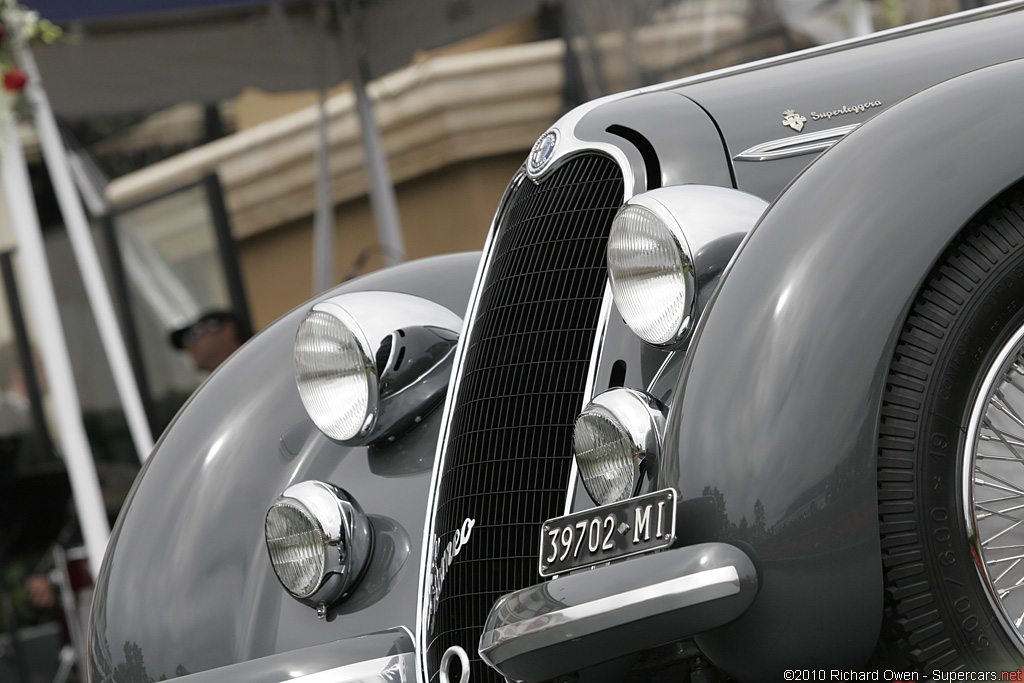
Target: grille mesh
523, 381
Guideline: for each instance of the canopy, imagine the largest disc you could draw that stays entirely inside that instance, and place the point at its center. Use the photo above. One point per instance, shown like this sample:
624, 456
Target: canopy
64, 11
140, 55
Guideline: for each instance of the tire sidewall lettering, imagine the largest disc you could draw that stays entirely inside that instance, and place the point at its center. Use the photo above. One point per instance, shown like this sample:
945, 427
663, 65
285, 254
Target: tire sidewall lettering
970, 305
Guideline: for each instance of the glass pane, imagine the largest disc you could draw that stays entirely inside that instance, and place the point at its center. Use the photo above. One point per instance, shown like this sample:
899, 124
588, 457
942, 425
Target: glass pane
170, 251
174, 270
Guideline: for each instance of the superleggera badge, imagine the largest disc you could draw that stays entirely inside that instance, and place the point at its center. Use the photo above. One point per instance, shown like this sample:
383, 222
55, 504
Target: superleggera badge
846, 109
543, 149
796, 121
793, 120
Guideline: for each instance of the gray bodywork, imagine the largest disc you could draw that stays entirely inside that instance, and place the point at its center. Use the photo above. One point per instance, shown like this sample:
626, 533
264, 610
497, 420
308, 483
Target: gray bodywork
779, 403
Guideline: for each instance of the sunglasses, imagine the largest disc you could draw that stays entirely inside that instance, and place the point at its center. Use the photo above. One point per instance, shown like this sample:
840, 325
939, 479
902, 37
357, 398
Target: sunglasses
199, 329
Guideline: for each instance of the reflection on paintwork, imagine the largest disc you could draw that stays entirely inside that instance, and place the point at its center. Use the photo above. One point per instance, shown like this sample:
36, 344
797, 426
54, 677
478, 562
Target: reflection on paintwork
832, 501
294, 439
132, 668
391, 546
213, 452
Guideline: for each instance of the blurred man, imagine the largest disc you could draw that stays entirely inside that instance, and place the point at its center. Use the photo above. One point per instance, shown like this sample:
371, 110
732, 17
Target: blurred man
23, 442
210, 339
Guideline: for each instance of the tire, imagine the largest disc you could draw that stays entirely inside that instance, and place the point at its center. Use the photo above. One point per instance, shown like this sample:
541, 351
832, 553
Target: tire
944, 574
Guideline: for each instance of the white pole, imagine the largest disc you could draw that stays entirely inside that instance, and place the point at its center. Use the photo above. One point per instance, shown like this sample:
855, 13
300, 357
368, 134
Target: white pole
323, 219
382, 190
39, 289
85, 251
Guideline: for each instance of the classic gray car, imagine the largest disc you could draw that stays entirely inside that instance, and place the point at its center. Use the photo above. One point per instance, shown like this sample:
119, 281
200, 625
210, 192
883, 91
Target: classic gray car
735, 391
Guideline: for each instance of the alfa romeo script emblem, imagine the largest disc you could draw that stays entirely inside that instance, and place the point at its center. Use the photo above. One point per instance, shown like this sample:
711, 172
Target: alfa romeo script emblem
793, 120
443, 562
543, 149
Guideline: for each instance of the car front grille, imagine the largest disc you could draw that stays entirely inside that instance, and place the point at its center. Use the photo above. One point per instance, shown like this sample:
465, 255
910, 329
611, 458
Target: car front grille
522, 384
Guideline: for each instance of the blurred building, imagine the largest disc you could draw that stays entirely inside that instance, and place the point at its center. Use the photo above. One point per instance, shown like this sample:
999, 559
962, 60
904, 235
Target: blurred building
456, 124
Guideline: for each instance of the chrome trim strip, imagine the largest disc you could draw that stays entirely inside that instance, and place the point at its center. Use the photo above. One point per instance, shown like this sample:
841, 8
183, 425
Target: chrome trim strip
796, 145
383, 657
590, 389
396, 669
542, 632
589, 618
662, 370
933, 23
607, 303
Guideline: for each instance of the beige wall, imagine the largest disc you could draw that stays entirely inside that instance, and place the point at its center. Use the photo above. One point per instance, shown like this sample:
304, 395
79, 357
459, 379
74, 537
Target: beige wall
442, 212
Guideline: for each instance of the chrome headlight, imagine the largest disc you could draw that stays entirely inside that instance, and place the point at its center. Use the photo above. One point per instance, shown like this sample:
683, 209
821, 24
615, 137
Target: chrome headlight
335, 373
370, 364
665, 243
652, 274
617, 436
319, 541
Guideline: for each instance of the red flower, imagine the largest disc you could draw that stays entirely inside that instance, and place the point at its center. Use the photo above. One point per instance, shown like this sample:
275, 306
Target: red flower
14, 79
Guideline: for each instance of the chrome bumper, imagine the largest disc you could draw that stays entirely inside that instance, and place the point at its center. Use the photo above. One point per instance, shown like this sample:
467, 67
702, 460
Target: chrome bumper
385, 657
582, 619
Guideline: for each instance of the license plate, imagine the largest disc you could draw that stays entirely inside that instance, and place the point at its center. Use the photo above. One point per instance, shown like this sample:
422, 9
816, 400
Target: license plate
609, 532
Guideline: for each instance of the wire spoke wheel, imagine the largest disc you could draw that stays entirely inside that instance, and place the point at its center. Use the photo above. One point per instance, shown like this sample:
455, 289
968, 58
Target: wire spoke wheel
994, 478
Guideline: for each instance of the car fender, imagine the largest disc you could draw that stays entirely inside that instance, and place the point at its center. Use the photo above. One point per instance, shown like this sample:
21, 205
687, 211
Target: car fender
778, 403
186, 585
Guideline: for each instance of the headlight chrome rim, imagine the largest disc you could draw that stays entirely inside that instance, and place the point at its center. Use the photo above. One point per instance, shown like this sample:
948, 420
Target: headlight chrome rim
370, 365
344, 532
301, 581
702, 226
638, 421
634, 281
308, 374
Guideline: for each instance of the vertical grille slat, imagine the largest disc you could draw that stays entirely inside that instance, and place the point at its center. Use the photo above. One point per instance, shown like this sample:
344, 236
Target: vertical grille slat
523, 380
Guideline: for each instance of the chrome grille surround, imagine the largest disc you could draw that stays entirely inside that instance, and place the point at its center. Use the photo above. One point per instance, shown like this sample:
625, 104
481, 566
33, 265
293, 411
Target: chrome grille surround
444, 549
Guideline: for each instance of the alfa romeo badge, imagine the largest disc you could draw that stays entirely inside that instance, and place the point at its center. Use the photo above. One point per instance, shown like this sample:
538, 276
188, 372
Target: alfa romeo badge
542, 150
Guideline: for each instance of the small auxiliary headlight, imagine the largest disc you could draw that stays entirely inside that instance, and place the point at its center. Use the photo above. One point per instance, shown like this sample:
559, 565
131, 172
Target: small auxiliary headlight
652, 274
335, 374
297, 546
615, 434
319, 540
